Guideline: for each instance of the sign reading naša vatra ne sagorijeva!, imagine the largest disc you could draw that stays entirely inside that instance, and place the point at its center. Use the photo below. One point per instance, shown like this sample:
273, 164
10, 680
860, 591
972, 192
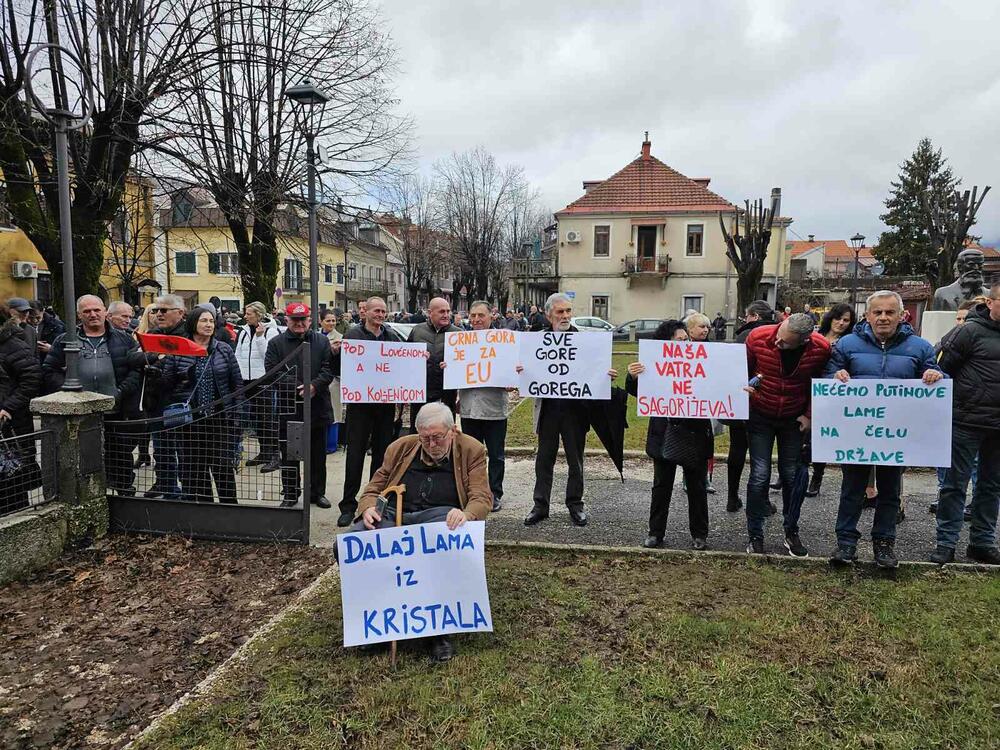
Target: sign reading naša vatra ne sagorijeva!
883, 422
566, 364
692, 380
481, 359
382, 372
413, 582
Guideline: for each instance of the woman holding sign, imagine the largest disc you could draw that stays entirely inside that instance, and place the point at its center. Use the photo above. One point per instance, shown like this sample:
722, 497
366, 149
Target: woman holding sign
676, 442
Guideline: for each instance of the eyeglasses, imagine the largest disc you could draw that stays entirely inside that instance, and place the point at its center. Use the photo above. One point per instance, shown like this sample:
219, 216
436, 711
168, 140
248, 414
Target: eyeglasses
161, 310
436, 439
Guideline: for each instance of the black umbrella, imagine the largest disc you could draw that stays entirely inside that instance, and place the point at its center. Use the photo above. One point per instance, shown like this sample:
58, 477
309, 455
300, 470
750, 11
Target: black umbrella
607, 419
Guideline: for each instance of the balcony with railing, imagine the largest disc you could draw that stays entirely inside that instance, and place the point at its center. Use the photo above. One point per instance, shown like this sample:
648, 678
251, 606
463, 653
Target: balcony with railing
640, 264
296, 284
365, 288
534, 268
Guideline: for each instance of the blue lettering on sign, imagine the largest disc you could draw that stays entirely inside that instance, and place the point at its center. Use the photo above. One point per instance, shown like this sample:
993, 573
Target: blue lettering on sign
444, 542
413, 620
357, 548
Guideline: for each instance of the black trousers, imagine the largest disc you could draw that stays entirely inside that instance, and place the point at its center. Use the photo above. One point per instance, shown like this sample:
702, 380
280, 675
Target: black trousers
259, 415
493, 433
291, 483
367, 424
695, 477
567, 425
737, 460
445, 397
207, 452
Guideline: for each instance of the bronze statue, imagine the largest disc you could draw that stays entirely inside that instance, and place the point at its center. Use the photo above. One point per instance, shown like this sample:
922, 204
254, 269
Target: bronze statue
969, 284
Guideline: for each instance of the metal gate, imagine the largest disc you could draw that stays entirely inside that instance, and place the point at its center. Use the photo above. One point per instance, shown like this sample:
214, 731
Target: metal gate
239, 470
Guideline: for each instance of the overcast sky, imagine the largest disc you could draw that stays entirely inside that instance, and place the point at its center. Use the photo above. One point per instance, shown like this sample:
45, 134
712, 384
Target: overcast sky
824, 99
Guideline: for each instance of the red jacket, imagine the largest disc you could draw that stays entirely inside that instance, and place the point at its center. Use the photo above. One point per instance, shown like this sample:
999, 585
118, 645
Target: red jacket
782, 396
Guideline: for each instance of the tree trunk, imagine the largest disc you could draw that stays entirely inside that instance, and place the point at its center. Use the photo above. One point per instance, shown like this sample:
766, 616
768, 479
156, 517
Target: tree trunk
747, 289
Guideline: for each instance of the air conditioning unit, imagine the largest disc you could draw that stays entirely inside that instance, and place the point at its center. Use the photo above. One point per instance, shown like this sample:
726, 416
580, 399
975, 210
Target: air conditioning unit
573, 236
24, 269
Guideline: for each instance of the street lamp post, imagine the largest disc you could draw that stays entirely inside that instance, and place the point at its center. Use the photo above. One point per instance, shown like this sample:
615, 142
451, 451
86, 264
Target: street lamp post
308, 96
858, 243
63, 121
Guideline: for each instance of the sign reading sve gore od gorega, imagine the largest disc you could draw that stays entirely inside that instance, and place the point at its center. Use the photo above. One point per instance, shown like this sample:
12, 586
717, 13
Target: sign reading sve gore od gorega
693, 380
382, 372
413, 582
882, 422
566, 364
481, 359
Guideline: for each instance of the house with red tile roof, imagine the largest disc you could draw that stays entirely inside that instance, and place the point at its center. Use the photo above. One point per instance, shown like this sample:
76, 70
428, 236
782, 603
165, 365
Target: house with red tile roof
814, 258
646, 243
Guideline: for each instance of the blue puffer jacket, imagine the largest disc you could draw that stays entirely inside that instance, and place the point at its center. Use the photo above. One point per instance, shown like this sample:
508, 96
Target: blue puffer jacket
905, 355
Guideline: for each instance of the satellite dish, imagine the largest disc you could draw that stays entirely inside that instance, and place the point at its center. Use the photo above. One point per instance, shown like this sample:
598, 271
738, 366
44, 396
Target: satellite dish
878, 269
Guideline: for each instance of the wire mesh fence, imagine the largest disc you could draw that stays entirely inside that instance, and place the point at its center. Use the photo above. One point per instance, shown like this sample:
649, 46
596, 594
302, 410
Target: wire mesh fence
243, 449
28, 469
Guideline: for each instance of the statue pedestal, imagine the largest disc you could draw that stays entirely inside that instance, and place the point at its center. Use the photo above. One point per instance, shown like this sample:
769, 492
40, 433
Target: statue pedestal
936, 323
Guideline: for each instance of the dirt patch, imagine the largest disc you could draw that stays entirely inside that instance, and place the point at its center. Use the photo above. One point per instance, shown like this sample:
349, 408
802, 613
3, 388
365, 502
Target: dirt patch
97, 646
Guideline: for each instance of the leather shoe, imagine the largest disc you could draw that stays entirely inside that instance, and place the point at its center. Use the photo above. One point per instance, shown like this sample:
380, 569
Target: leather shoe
988, 555
578, 516
288, 504
321, 502
441, 649
699, 544
943, 555
733, 504
345, 518
536, 516
652, 542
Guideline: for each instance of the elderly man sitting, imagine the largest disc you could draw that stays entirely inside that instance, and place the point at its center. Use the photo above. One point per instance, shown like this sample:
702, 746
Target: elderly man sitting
445, 476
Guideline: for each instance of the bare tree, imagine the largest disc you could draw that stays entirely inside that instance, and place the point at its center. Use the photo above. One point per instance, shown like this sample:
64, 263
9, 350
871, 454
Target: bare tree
129, 246
133, 54
240, 137
526, 218
948, 225
412, 201
748, 250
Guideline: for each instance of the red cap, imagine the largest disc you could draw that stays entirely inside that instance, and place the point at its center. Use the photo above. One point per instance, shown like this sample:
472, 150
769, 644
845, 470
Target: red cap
296, 310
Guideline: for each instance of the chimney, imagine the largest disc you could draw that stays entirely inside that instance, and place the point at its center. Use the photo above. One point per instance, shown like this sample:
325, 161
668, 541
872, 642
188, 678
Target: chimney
775, 202
703, 181
645, 147
589, 185
812, 237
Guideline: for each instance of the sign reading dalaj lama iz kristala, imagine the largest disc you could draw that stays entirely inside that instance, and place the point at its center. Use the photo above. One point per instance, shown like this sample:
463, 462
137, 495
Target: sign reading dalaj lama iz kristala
413, 582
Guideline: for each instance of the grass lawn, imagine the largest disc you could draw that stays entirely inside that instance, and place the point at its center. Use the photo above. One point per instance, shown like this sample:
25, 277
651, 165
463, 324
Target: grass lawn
521, 434
628, 651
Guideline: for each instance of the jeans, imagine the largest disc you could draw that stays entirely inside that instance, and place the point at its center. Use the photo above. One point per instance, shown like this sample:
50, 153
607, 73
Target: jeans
942, 472
762, 431
492, 432
663, 484
889, 480
565, 423
966, 444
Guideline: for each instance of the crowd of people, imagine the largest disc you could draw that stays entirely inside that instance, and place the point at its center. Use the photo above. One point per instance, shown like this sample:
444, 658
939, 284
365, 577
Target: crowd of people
199, 458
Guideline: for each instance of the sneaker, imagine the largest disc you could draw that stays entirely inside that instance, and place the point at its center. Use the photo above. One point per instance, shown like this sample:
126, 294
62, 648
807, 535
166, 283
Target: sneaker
496, 504
733, 504
795, 546
845, 555
709, 489
988, 555
884, 556
755, 546
943, 555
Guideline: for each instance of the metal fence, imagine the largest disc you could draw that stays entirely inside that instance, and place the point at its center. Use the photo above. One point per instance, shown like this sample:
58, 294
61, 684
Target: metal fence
28, 470
229, 469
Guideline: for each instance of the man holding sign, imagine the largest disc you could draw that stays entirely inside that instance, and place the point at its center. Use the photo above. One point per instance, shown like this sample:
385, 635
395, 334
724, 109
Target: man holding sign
882, 346
563, 416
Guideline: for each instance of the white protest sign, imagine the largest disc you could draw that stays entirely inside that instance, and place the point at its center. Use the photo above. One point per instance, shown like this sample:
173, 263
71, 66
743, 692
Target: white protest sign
693, 380
882, 422
480, 359
382, 372
566, 364
413, 582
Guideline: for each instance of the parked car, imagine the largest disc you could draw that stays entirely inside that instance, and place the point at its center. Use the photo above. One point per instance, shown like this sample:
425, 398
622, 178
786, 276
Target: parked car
638, 329
592, 324
400, 329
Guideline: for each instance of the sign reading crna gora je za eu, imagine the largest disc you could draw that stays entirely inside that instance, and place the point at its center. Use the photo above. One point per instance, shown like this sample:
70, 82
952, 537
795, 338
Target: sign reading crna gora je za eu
382, 372
413, 582
566, 364
882, 422
481, 359
692, 380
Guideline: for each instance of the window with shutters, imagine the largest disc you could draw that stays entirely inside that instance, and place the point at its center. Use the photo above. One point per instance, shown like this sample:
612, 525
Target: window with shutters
602, 241
327, 274
186, 263
353, 271
224, 264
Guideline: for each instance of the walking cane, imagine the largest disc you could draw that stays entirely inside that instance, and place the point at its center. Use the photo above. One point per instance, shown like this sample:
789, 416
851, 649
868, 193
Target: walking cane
398, 489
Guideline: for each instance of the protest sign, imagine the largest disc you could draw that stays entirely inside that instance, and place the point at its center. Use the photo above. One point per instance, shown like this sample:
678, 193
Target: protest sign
413, 582
693, 380
883, 422
480, 359
566, 364
382, 372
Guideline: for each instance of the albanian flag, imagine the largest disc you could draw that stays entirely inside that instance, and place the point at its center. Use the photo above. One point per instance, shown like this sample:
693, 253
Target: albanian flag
158, 343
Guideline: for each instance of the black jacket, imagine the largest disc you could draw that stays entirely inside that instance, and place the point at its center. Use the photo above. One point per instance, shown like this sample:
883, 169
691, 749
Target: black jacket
128, 376
178, 377
20, 377
426, 333
320, 367
972, 357
657, 433
743, 331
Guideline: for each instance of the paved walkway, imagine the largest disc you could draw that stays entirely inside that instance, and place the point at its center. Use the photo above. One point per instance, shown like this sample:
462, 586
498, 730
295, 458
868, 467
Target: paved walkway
619, 512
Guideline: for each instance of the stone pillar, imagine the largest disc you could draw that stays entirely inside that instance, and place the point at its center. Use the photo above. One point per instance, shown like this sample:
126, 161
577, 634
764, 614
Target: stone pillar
77, 423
